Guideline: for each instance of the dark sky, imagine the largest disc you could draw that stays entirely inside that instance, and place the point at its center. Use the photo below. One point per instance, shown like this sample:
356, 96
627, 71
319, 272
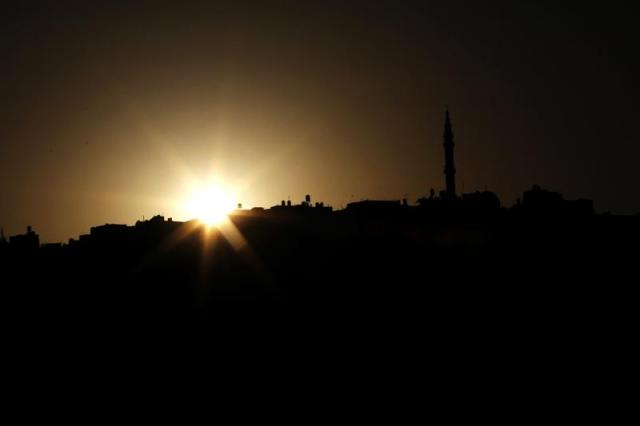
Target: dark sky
109, 109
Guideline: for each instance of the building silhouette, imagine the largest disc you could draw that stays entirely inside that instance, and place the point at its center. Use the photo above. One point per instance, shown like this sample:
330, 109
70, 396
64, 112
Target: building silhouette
25, 242
542, 202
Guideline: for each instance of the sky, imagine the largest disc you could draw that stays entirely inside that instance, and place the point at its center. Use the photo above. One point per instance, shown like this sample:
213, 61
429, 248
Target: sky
113, 111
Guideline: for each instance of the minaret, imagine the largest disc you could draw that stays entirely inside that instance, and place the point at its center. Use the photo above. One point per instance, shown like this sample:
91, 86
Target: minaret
449, 168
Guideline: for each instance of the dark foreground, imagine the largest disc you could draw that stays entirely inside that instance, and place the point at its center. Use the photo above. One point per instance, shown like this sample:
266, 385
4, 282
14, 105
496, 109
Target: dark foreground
502, 301
289, 272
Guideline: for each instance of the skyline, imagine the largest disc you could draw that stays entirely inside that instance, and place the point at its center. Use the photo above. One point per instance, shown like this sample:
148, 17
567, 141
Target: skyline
108, 111
212, 209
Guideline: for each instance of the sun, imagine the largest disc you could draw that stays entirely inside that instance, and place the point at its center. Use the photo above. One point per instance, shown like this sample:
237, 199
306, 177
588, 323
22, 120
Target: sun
211, 205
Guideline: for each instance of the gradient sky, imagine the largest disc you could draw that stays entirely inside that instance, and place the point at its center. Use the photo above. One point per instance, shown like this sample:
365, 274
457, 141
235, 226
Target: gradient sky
109, 111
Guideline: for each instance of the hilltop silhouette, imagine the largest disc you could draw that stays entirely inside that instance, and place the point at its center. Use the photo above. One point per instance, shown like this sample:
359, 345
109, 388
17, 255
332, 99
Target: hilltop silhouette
464, 257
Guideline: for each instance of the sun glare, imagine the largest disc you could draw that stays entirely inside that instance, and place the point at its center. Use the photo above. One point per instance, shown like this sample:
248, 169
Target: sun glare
210, 205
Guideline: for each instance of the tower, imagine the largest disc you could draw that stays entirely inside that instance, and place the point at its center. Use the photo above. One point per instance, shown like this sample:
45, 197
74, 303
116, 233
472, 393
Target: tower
449, 167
